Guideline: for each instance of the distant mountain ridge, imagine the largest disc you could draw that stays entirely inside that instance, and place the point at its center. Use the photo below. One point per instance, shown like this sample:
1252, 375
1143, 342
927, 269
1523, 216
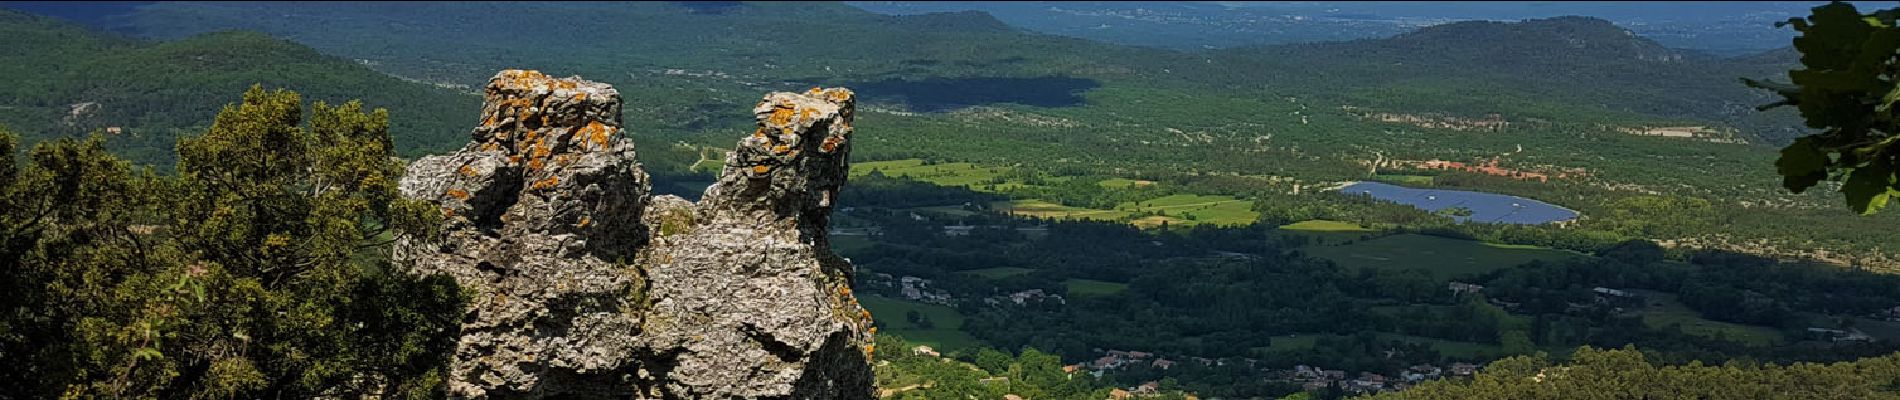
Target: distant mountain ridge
959, 21
1577, 36
1526, 68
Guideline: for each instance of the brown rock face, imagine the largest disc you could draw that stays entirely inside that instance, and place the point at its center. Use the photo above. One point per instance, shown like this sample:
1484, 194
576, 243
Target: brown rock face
587, 286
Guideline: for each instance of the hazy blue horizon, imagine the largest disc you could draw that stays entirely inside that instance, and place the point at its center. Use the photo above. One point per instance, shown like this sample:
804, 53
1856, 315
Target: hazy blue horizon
1720, 27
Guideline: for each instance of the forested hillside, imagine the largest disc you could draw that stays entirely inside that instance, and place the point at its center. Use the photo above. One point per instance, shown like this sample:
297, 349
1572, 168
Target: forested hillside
1625, 374
66, 80
1568, 70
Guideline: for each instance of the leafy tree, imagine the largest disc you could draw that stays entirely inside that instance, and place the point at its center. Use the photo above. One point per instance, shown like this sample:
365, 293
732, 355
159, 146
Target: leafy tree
260, 270
1845, 88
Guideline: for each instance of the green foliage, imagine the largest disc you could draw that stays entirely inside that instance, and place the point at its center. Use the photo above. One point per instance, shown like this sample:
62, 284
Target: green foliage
1845, 89
992, 374
260, 270
1627, 374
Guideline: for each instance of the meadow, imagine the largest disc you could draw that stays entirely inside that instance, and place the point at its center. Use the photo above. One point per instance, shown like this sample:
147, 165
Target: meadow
1090, 287
1664, 310
1445, 258
945, 333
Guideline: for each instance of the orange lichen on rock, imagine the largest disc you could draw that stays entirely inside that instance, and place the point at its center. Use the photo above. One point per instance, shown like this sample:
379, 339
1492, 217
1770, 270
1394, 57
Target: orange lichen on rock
831, 144
597, 133
584, 222
839, 95
781, 149
541, 149
491, 146
760, 169
546, 183
514, 160
781, 115
458, 194
467, 171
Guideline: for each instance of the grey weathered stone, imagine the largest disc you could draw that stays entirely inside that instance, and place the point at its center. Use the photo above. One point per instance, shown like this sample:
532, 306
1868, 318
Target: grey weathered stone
587, 286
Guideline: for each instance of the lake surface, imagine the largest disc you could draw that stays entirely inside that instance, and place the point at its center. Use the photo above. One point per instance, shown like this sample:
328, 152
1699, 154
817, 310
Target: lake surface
1485, 207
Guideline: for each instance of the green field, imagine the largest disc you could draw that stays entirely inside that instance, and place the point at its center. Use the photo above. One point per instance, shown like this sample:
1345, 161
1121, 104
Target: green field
1045, 209
1321, 231
945, 174
946, 334
1121, 183
1418, 180
1179, 210
1664, 310
1090, 287
1445, 257
1321, 225
1192, 209
999, 272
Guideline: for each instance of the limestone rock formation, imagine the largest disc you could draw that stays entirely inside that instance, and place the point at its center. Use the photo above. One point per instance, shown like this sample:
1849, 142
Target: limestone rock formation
586, 286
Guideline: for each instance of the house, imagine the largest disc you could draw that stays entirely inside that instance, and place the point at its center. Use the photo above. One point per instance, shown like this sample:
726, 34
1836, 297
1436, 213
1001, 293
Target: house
113, 130
1463, 369
1462, 288
1369, 381
1332, 375
1033, 294
1839, 336
1890, 314
1149, 387
1304, 372
958, 230
925, 350
1118, 394
1611, 292
1163, 364
1421, 372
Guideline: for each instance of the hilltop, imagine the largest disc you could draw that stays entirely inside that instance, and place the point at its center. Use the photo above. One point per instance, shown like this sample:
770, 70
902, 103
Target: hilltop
1575, 69
70, 80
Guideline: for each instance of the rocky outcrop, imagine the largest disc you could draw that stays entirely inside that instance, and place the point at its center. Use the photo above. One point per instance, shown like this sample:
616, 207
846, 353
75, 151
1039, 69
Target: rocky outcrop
586, 286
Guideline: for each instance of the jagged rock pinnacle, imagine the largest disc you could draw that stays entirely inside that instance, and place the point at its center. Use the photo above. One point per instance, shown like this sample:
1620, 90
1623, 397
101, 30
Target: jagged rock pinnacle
587, 286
